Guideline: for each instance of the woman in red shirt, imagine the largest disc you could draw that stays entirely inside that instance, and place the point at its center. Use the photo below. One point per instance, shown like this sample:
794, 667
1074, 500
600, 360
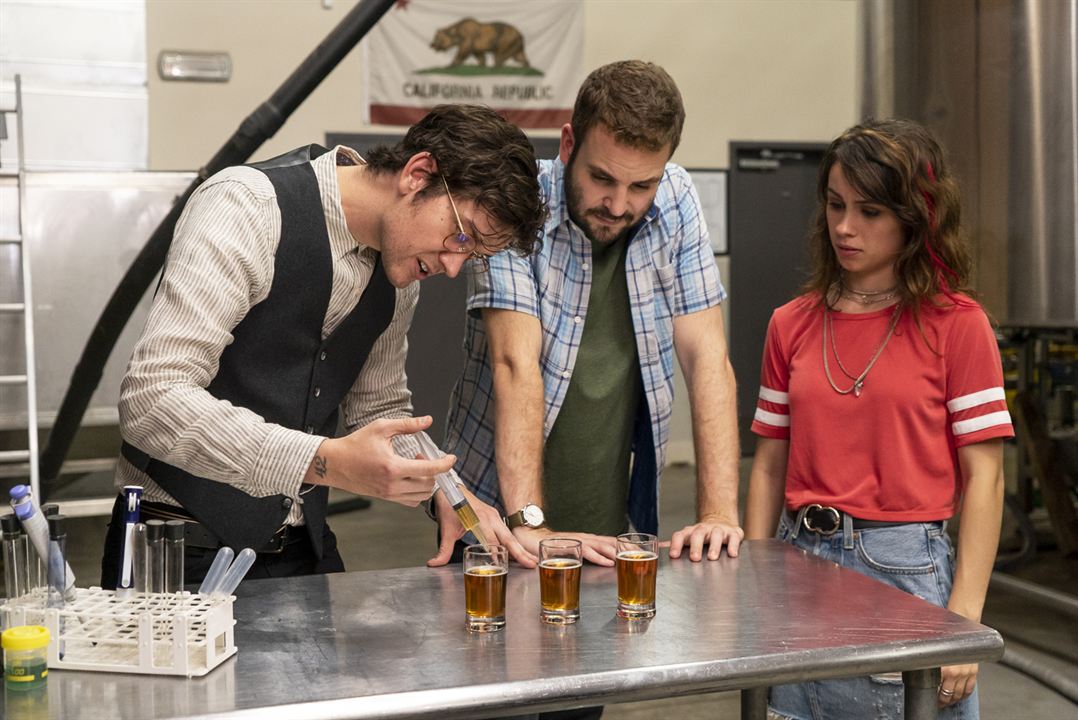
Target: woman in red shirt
881, 409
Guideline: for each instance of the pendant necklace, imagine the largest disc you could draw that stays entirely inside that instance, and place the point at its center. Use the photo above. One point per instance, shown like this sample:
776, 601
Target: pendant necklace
859, 380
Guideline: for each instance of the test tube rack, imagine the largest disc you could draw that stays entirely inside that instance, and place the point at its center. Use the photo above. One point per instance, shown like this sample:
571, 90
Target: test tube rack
147, 633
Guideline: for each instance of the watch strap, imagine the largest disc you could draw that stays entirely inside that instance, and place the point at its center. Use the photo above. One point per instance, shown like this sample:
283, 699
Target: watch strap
515, 520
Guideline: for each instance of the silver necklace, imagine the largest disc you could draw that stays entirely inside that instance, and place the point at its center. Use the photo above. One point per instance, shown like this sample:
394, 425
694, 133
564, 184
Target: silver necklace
866, 300
859, 381
867, 297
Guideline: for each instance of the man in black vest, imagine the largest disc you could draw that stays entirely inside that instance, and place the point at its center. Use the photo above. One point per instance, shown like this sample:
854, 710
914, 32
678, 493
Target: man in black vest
286, 299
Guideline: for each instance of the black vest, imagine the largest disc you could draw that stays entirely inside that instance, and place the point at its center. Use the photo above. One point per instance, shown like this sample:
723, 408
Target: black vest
279, 367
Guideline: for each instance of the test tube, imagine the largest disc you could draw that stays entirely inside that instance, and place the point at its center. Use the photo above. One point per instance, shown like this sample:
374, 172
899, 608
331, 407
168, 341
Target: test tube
174, 555
57, 564
41, 564
236, 571
36, 566
139, 563
155, 555
217, 571
16, 558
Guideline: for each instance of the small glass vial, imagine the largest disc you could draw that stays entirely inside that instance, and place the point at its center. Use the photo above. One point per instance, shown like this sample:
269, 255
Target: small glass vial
16, 558
140, 565
174, 555
57, 563
26, 658
155, 555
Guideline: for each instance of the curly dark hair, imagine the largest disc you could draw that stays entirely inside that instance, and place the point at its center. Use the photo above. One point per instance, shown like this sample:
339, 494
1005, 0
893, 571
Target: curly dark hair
483, 157
638, 101
899, 165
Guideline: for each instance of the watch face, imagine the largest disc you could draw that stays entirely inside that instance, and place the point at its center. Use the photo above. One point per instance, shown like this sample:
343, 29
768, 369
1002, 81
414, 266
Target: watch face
533, 515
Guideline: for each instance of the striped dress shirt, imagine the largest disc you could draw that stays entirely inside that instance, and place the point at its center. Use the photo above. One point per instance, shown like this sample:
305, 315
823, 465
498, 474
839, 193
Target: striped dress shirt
220, 266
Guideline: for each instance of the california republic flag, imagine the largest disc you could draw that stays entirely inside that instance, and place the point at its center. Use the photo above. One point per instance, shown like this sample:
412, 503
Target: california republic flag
520, 57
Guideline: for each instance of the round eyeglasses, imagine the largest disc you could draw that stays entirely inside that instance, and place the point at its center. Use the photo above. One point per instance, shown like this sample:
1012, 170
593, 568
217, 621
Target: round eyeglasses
461, 242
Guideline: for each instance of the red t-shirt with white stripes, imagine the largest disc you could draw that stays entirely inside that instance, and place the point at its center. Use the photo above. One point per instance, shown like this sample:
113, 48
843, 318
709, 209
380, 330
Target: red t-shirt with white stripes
890, 454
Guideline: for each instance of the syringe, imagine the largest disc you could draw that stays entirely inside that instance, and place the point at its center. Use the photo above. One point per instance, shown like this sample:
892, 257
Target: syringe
448, 482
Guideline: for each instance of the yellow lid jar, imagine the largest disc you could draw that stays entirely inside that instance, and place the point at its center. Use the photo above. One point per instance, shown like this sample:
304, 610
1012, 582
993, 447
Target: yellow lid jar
26, 659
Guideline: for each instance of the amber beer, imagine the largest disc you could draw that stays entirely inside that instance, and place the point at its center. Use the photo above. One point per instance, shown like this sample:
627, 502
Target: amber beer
560, 560
637, 566
559, 585
486, 568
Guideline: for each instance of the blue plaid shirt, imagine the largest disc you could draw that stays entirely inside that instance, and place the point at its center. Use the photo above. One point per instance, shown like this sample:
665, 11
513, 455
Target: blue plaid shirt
671, 271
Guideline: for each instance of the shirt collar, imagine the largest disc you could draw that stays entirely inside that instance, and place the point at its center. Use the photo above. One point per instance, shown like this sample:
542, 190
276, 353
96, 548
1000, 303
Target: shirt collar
341, 241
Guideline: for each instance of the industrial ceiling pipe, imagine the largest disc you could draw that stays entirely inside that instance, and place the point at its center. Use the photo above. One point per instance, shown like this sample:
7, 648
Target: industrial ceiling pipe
258, 127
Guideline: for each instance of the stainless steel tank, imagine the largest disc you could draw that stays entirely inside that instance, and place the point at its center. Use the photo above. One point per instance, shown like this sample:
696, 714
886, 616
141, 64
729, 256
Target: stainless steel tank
997, 81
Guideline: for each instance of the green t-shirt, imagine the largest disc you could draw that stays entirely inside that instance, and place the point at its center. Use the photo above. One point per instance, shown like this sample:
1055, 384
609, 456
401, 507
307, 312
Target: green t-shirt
587, 455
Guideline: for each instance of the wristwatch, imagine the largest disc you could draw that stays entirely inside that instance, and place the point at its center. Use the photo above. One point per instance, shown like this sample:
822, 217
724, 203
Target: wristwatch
530, 516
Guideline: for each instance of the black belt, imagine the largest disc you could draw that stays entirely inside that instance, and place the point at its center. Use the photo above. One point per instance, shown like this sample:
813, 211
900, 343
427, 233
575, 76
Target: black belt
825, 520
195, 534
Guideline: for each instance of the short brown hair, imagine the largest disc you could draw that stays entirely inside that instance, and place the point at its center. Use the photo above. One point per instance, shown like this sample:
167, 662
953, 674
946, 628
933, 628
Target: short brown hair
483, 157
637, 101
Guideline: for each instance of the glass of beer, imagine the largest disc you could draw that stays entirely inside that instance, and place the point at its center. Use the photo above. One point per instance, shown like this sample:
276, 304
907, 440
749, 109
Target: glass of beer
637, 565
560, 560
485, 570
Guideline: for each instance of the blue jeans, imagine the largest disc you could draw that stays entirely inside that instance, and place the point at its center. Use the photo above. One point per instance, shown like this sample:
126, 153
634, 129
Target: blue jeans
916, 558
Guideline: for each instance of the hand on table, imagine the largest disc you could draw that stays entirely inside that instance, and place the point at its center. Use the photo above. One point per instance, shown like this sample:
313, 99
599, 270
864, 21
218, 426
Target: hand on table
597, 549
711, 531
490, 523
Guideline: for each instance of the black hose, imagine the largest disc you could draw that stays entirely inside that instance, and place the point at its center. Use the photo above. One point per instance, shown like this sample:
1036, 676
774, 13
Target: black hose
1054, 679
253, 131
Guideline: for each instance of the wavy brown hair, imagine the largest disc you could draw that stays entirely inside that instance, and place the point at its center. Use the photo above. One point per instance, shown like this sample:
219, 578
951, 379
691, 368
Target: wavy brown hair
637, 101
484, 158
899, 165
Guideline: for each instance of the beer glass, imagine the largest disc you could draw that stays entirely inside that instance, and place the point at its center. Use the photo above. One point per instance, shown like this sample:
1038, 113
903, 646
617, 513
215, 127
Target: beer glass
485, 570
637, 565
560, 560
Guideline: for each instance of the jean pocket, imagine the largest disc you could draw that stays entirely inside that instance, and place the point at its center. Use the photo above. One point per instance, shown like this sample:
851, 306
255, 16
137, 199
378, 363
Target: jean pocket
900, 550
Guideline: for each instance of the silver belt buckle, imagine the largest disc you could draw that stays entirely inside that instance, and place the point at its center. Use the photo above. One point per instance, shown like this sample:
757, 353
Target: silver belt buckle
821, 531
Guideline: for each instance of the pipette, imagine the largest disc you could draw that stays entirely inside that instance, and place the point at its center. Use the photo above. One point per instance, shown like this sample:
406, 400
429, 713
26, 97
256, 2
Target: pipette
448, 482
37, 529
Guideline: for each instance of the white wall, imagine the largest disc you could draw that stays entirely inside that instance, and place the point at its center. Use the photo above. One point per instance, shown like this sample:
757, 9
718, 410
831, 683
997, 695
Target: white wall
748, 69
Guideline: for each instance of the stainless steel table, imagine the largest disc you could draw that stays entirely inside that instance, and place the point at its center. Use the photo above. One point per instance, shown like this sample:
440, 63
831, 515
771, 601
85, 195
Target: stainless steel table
392, 644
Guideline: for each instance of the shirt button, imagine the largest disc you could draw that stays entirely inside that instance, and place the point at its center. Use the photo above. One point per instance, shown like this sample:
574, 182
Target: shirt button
317, 392
309, 429
578, 319
583, 266
565, 374
322, 356
287, 503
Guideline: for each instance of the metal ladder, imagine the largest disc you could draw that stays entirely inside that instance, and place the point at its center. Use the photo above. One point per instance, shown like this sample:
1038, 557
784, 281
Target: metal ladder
25, 306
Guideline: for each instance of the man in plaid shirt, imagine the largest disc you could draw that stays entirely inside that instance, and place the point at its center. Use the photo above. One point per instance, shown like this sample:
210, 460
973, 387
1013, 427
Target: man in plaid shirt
561, 418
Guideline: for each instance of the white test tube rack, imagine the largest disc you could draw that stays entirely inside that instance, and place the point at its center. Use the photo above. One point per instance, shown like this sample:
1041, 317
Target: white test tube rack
148, 633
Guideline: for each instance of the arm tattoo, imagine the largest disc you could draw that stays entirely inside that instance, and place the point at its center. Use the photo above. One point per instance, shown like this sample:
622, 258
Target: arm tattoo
320, 468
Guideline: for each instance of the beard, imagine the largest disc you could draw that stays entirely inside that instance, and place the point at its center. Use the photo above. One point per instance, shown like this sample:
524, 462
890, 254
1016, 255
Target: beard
587, 218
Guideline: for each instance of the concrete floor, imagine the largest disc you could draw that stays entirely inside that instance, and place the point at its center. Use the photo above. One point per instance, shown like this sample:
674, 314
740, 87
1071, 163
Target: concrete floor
1005, 693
